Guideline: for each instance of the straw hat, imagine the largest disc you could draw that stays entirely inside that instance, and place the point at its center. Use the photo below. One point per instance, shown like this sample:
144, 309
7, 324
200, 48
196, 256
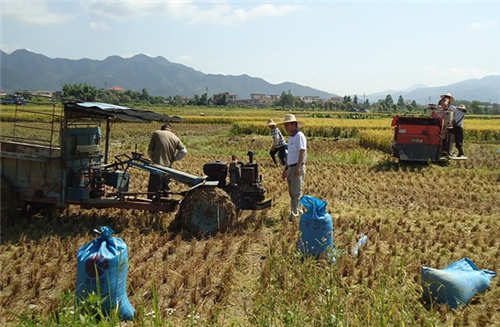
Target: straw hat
271, 122
289, 118
462, 107
448, 95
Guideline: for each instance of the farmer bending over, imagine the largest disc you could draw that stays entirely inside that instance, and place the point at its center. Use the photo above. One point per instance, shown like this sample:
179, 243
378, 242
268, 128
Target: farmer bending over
164, 148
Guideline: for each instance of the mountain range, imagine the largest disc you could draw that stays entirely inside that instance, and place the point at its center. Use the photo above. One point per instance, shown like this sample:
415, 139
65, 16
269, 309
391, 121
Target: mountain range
26, 70
485, 89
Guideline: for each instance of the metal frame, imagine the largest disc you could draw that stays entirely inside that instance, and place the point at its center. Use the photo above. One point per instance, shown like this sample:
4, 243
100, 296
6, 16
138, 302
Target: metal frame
73, 118
39, 141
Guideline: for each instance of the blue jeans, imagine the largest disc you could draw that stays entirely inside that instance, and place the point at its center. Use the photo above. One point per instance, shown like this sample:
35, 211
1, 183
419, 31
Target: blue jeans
282, 154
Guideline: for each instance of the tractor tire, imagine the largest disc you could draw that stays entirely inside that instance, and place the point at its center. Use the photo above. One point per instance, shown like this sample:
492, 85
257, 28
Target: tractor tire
206, 210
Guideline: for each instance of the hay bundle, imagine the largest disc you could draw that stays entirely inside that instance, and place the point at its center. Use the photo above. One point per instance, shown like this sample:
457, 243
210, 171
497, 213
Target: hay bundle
206, 210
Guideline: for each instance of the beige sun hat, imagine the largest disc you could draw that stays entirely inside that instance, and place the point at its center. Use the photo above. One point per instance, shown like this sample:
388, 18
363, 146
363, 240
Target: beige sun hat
462, 107
289, 118
448, 95
271, 122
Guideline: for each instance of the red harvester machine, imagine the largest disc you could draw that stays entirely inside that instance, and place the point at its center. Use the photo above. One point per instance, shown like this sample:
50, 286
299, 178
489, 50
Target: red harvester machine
422, 138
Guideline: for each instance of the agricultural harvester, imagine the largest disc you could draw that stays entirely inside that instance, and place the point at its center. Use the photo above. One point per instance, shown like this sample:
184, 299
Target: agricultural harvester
424, 138
37, 174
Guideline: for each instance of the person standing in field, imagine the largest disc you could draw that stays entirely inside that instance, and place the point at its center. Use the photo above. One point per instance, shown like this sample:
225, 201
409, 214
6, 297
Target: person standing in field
445, 103
458, 129
164, 148
295, 170
279, 146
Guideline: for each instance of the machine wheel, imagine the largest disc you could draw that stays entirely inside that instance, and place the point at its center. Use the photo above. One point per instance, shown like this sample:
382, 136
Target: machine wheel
206, 210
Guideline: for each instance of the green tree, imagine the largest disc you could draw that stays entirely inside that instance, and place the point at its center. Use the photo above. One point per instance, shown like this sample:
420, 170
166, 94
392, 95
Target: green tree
124, 98
194, 100
80, 92
401, 102
144, 95
355, 99
388, 101
220, 99
177, 101
203, 101
286, 99
475, 107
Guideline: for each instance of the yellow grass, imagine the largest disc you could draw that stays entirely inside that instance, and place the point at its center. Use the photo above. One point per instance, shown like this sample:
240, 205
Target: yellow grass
377, 139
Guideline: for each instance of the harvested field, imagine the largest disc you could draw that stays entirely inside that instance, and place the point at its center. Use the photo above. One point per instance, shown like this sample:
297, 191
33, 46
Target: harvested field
413, 215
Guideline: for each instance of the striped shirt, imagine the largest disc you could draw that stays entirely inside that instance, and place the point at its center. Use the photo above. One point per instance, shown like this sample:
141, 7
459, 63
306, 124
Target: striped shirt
278, 139
458, 116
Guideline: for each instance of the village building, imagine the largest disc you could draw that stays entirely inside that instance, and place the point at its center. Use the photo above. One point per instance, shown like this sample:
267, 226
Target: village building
46, 94
310, 98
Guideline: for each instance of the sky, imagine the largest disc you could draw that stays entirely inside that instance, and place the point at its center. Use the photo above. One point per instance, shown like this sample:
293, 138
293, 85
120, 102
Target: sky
341, 47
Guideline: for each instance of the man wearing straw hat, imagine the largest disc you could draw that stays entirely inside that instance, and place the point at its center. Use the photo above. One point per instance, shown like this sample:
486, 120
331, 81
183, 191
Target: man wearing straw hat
279, 146
445, 103
295, 170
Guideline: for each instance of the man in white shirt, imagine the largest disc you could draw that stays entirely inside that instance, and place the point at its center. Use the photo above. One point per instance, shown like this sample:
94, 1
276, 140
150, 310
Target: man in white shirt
295, 170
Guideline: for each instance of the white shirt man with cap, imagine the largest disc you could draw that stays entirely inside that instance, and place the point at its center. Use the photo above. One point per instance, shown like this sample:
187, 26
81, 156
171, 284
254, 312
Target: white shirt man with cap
295, 170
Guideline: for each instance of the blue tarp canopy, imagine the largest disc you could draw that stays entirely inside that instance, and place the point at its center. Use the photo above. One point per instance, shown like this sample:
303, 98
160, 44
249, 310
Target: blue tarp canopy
77, 110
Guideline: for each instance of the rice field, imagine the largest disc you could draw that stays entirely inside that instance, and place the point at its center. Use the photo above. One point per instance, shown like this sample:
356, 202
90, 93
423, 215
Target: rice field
413, 215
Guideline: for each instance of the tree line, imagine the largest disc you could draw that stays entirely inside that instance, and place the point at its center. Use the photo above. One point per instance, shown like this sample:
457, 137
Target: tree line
348, 103
86, 92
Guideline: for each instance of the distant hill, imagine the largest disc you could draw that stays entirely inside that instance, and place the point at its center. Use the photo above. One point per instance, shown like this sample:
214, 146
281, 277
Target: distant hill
484, 89
25, 70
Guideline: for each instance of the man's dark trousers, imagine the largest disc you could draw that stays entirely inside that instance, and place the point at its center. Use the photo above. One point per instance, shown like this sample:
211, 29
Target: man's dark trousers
157, 183
281, 154
459, 139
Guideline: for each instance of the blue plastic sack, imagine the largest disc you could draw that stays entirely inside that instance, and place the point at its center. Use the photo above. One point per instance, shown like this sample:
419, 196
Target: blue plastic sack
456, 284
102, 269
316, 229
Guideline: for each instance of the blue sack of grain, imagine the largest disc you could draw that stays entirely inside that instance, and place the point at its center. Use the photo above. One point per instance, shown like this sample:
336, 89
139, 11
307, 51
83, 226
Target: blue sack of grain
102, 269
316, 229
456, 284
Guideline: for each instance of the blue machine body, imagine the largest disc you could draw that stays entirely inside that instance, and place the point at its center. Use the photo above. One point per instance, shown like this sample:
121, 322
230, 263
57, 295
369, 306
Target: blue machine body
81, 151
